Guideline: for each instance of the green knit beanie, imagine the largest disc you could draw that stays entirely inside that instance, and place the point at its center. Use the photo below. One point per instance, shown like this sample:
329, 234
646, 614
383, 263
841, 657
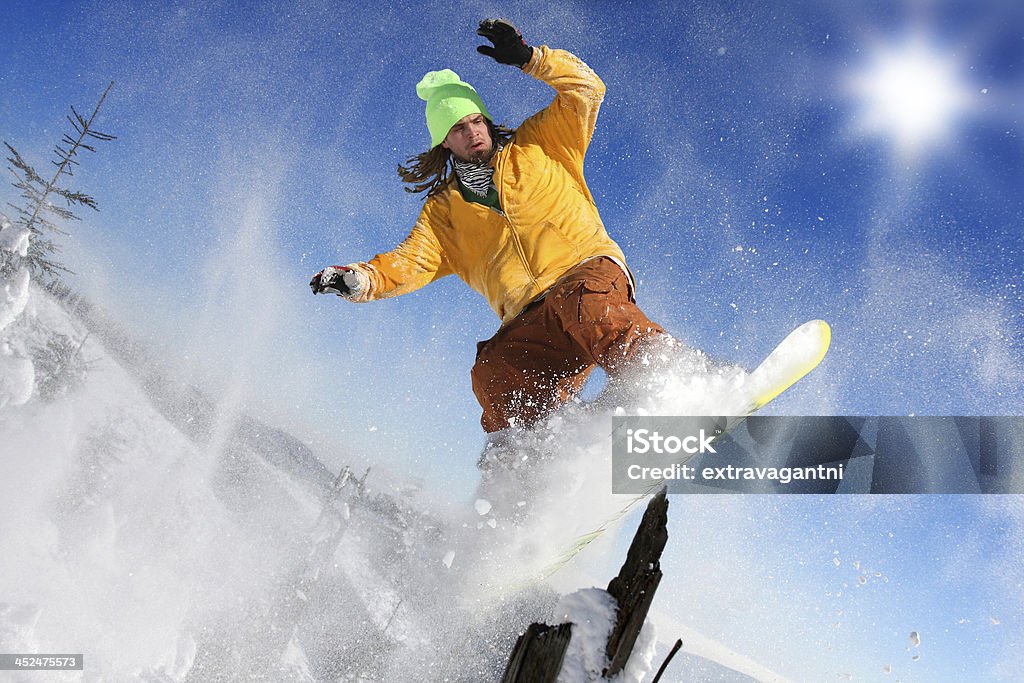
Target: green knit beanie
448, 100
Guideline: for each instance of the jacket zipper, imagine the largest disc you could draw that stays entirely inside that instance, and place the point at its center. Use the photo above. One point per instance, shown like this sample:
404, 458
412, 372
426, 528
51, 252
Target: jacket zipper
515, 237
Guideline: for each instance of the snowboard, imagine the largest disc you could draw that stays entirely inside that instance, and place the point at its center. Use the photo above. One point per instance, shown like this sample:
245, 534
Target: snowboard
797, 355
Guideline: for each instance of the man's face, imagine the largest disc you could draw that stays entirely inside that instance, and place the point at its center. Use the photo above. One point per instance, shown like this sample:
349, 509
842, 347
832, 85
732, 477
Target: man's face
470, 139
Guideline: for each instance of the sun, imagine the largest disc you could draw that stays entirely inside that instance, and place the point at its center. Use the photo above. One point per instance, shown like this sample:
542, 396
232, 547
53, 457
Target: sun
912, 93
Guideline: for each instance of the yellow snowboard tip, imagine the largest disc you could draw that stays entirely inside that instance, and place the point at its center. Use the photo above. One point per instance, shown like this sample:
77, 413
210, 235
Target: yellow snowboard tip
797, 355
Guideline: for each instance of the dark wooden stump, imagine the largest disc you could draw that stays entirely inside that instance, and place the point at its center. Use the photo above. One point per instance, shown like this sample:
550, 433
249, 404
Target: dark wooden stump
538, 654
633, 589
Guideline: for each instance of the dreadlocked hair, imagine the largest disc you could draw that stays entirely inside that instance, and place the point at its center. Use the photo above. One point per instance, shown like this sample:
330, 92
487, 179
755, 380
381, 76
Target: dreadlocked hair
430, 170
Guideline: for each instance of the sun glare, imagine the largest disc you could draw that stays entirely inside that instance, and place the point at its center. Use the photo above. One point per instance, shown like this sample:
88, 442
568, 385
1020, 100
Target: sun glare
911, 93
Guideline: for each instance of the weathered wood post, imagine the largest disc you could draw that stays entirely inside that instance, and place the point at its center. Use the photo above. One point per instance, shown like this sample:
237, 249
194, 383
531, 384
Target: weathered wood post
633, 589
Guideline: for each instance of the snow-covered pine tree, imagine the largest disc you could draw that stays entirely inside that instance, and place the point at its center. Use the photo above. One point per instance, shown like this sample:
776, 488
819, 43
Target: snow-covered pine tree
36, 211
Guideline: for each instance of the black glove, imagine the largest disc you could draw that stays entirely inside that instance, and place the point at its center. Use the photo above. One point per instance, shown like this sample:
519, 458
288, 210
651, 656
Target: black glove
509, 46
340, 280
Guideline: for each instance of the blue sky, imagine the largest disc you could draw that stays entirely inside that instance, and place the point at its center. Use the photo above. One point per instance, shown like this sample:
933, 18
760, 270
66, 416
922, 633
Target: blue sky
744, 173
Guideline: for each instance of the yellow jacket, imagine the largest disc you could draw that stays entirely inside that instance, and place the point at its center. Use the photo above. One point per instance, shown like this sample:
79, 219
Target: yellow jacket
548, 222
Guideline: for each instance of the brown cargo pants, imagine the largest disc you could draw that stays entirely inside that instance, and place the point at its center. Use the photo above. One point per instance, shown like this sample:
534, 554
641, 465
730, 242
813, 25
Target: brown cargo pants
540, 359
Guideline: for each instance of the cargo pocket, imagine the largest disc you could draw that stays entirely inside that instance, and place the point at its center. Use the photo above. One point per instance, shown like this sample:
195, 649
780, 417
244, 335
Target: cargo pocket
595, 300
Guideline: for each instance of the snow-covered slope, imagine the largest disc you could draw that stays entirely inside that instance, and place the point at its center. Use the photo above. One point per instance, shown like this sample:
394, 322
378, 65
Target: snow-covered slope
126, 534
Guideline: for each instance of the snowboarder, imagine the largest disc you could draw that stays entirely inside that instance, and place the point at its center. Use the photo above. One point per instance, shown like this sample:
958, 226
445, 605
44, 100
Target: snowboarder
515, 220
